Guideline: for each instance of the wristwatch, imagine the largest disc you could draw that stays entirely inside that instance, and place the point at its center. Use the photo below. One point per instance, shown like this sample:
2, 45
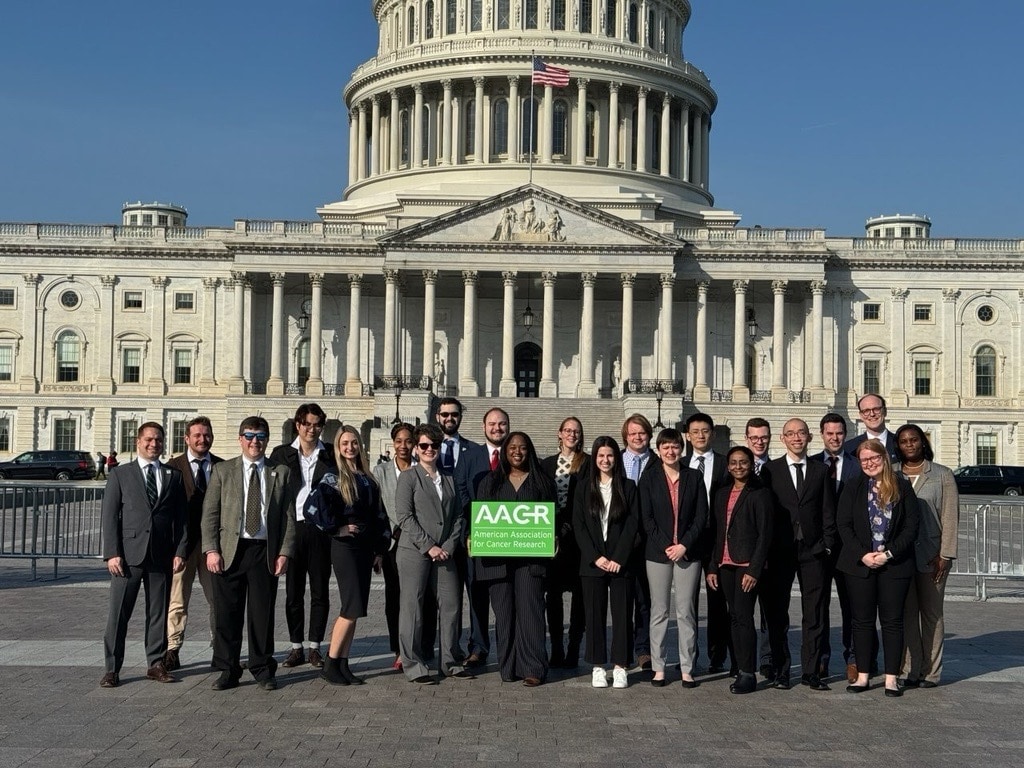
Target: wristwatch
888, 555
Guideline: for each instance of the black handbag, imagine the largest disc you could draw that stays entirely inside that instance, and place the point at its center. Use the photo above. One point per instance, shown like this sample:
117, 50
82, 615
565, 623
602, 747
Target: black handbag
323, 503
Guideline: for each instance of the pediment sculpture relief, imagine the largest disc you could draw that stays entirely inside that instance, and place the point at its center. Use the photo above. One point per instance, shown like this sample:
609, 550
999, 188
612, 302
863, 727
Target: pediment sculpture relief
528, 226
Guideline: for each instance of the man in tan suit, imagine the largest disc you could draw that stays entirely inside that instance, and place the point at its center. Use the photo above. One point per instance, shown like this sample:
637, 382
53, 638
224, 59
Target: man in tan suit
248, 537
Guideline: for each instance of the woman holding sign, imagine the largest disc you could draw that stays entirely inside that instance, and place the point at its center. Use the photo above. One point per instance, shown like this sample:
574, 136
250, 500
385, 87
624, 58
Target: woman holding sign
606, 521
516, 584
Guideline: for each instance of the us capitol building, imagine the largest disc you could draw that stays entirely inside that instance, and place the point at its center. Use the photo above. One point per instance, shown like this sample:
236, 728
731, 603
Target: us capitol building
503, 240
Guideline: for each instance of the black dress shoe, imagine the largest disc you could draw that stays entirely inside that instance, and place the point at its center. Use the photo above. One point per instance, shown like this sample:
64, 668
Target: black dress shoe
225, 682
908, 683
689, 683
854, 688
767, 672
172, 660
894, 693
425, 680
463, 674
296, 658
110, 680
267, 684
929, 684
745, 683
716, 669
813, 682
476, 659
659, 683
781, 682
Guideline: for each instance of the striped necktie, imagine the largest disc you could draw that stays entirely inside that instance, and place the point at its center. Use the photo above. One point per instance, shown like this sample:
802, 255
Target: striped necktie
151, 493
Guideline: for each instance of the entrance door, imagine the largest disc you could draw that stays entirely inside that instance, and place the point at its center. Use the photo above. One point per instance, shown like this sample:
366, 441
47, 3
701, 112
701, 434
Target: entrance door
527, 369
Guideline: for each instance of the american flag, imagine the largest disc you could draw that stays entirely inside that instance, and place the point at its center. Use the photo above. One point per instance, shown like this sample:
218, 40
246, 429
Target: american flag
545, 74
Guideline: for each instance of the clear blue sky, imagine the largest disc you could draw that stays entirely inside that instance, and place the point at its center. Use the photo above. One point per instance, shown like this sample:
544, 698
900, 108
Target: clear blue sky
829, 111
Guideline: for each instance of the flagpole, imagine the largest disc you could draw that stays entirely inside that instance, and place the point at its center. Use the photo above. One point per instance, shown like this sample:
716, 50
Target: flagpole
533, 64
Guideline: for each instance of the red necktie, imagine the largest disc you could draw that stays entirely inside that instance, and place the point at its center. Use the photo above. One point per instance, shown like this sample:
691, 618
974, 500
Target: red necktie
494, 459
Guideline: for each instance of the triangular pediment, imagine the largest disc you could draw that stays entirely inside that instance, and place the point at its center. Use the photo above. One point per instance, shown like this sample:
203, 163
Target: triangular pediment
530, 217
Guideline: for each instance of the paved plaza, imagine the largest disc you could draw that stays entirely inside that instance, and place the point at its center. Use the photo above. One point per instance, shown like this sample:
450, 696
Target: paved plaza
54, 713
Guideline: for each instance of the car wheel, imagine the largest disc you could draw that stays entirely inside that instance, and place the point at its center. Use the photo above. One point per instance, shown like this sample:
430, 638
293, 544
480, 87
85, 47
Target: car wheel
63, 476
1012, 492
3, 475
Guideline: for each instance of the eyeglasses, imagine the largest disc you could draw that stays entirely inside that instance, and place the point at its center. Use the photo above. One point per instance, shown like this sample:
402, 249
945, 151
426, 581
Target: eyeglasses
312, 424
872, 411
250, 436
448, 415
568, 431
873, 459
798, 433
428, 446
758, 438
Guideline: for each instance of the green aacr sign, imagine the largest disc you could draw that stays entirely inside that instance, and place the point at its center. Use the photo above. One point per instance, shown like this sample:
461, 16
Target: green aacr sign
512, 529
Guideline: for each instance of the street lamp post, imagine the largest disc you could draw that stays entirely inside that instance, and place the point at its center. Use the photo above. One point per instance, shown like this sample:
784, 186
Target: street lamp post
659, 393
398, 400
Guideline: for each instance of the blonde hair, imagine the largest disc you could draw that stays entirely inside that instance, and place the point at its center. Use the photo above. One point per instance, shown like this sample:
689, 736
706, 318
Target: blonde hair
888, 489
579, 456
346, 477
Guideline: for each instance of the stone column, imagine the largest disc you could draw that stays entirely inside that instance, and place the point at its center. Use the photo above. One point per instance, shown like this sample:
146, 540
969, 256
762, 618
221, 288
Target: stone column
696, 156
275, 384
613, 125
478, 120
394, 154
513, 120
105, 373
353, 148
817, 334
780, 390
580, 138
157, 384
684, 155
898, 395
628, 280
417, 126
208, 366
667, 280
666, 135
641, 129
740, 391
950, 395
548, 385
390, 279
701, 390
468, 386
587, 386
353, 380
507, 385
446, 123
429, 300
547, 126
362, 140
705, 178
315, 382
375, 136
236, 383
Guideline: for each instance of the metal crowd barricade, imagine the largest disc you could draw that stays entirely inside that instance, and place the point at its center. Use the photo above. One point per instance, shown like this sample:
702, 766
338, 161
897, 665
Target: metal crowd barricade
44, 520
991, 545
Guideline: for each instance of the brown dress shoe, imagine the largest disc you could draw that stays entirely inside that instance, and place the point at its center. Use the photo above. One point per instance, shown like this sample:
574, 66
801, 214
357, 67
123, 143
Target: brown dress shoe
171, 660
159, 673
110, 680
316, 659
476, 660
851, 673
532, 682
644, 661
296, 658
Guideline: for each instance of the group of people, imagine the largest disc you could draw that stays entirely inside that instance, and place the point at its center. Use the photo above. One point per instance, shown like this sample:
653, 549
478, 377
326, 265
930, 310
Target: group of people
638, 529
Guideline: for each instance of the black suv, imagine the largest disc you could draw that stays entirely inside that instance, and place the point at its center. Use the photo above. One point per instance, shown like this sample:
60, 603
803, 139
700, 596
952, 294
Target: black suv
50, 465
990, 479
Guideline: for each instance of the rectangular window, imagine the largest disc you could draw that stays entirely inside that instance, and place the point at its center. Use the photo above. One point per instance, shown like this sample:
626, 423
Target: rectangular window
476, 16
450, 16
161, 220
126, 443
6, 363
184, 301
558, 14
6, 297
5, 434
178, 436
890, 232
504, 14
65, 434
147, 219
918, 231
872, 376
985, 449
183, 366
922, 377
131, 365
133, 299
133, 220
922, 313
871, 313
587, 16
67, 357
530, 15
904, 231
609, 18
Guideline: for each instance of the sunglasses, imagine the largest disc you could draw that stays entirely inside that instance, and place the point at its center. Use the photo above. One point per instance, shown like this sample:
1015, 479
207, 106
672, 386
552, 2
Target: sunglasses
428, 446
250, 436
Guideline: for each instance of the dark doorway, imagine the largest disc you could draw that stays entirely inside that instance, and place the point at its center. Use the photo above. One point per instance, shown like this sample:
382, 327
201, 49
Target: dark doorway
527, 369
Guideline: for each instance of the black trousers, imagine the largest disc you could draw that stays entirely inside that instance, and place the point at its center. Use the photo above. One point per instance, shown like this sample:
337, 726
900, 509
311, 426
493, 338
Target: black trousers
596, 592
312, 558
393, 607
478, 594
812, 572
717, 632
740, 606
883, 595
563, 576
519, 630
245, 593
641, 611
124, 592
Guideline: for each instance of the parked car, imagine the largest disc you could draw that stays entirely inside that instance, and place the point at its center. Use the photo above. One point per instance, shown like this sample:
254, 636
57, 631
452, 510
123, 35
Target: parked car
990, 479
50, 465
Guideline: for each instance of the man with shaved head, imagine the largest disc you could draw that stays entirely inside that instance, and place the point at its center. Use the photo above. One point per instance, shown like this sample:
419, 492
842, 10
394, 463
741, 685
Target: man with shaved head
804, 534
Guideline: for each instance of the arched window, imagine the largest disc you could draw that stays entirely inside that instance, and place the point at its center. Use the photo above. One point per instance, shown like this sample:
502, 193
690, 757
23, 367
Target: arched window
404, 138
428, 20
476, 15
450, 16
985, 372
587, 16
68, 356
655, 149
559, 127
651, 29
469, 134
530, 15
499, 127
592, 128
528, 126
558, 14
504, 14
410, 27
634, 22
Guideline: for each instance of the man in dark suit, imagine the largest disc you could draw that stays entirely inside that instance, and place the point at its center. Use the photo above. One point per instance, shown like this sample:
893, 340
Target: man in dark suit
700, 432
873, 412
195, 465
308, 459
804, 534
637, 456
248, 537
842, 467
143, 525
757, 434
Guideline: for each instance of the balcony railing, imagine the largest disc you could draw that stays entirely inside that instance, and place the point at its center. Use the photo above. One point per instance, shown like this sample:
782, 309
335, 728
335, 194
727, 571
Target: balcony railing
652, 386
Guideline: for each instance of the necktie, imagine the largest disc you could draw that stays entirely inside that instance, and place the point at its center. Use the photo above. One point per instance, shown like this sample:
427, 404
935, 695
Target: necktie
833, 464
200, 474
757, 467
253, 504
494, 459
448, 457
151, 493
799, 469
700, 465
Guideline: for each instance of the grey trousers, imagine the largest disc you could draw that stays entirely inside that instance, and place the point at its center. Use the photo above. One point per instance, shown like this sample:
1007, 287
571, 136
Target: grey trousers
684, 578
924, 628
415, 572
124, 591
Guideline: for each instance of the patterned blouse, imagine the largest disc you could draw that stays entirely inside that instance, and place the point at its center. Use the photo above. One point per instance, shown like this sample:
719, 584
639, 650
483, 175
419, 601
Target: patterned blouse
879, 516
562, 474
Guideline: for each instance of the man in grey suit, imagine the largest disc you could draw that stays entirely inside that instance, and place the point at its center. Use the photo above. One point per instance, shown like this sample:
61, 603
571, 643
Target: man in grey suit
143, 525
248, 537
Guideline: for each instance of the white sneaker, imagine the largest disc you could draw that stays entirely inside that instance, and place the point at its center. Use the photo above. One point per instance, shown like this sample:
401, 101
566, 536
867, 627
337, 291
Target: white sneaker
599, 679
619, 678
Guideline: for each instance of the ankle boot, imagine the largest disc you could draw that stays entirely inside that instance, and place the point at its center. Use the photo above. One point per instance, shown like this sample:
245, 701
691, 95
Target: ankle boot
332, 671
347, 674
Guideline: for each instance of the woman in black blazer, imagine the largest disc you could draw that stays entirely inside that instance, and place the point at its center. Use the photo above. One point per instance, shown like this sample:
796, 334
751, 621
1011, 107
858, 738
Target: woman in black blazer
606, 524
877, 520
743, 532
674, 511
516, 584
